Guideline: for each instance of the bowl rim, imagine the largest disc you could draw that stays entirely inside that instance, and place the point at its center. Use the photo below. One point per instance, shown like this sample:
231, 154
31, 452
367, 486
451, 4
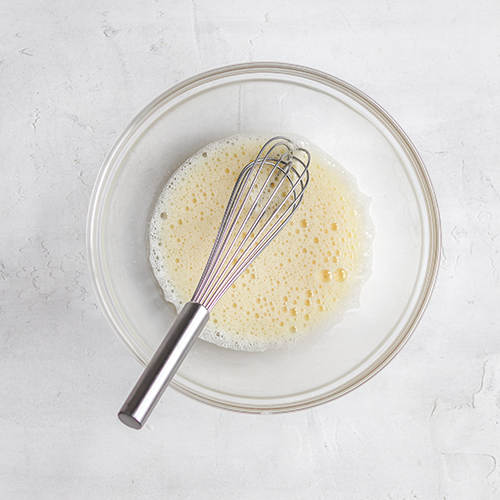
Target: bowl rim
272, 68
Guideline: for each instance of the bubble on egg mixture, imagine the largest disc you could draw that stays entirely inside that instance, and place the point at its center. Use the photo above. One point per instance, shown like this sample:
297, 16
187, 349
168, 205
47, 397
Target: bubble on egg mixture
308, 276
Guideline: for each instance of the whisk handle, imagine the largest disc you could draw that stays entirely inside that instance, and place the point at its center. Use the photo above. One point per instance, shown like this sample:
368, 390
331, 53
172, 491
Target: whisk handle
163, 365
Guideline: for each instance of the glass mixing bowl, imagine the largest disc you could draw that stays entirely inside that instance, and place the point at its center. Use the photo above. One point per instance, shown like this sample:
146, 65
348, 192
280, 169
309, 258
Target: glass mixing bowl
280, 99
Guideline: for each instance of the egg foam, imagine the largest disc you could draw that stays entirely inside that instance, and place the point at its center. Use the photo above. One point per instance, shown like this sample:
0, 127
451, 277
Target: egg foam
309, 275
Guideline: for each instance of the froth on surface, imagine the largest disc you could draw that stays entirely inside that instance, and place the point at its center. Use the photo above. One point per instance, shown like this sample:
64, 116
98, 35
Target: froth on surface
310, 274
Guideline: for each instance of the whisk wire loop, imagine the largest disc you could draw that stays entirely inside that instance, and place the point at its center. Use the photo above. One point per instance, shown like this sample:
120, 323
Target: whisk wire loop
264, 215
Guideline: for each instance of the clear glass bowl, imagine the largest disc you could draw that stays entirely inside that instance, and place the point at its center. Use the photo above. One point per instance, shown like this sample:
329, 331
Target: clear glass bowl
279, 99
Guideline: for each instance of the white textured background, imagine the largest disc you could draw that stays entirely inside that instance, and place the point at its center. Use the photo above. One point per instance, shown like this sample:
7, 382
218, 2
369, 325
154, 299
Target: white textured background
72, 75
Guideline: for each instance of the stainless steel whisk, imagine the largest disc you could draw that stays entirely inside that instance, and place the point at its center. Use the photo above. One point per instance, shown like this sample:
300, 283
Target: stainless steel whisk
267, 193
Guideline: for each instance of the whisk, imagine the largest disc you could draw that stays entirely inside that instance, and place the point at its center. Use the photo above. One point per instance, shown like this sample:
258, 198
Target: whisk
267, 193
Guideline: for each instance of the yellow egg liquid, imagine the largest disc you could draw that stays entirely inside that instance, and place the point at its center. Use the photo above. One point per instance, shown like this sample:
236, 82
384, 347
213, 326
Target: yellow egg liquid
310, 274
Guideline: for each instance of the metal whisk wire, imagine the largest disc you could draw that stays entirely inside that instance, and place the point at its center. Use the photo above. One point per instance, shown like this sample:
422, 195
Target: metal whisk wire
267, 193
226, 263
